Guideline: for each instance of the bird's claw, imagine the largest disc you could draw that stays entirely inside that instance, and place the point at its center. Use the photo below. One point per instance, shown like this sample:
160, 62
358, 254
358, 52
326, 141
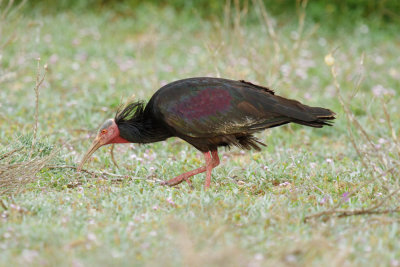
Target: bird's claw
174, 182
164, 183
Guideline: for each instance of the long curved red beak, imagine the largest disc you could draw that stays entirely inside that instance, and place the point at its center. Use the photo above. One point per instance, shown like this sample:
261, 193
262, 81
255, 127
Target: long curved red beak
95, 145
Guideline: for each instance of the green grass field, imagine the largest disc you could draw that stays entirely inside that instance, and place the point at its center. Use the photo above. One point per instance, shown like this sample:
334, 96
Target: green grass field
254, 213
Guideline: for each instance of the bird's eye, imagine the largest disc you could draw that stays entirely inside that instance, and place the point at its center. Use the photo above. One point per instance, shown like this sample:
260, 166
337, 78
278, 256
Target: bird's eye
104, 131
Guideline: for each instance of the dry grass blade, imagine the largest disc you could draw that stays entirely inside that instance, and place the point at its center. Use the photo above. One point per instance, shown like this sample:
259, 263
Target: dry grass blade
7, 154
15, 176
301, 10
8, 11
369, 155
270, 28
391, 129
39, 81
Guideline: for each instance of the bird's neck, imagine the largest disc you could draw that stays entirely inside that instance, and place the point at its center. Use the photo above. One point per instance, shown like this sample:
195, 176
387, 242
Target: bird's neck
143, 131
118, 140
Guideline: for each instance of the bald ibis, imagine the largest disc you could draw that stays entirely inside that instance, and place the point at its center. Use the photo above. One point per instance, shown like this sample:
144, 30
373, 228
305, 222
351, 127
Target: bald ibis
207, 113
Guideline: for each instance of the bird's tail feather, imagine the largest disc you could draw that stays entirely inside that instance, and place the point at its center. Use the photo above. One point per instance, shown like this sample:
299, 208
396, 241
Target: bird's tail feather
323, 117
303, 114
322, 113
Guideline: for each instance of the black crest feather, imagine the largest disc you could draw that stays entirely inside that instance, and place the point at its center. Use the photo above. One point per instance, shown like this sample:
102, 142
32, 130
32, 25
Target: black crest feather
130, 113
137, 125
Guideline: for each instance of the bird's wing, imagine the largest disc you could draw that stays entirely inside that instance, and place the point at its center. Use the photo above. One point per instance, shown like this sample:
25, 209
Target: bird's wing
205, 107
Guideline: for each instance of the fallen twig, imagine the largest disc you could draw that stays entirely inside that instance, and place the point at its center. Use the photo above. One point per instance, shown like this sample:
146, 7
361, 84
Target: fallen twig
88, 172
344, 213
364, 212
97, 174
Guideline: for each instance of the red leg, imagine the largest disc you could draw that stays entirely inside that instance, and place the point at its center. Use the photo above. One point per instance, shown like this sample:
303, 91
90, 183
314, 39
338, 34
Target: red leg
185, 176
210, 165
215, 158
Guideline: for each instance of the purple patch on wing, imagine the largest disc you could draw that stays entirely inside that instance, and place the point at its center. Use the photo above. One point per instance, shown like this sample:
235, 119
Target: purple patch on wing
207, 102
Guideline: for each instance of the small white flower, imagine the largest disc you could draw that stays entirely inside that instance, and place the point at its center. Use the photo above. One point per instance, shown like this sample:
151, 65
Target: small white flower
75, 66
153, 233
379, 60
170, 201
259, 257
322, 41
364, 29
91, 237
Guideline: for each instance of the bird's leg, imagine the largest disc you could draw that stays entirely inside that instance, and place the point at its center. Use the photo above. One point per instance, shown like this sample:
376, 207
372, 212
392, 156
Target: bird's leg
215, 158
210, 165
185, 176
209, 168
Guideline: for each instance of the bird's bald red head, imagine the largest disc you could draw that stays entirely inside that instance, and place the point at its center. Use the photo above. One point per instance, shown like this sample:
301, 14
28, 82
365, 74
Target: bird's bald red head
108, 134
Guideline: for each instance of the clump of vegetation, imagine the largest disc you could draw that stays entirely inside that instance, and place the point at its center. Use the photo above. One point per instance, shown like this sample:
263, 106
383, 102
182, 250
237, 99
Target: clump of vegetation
25, 157
18, 169
379, 155
19, 163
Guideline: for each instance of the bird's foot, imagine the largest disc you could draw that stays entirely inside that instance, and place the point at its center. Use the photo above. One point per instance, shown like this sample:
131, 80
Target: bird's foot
177, 180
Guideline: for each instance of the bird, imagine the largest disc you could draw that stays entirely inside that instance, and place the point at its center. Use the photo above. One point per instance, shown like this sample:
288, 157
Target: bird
208, 113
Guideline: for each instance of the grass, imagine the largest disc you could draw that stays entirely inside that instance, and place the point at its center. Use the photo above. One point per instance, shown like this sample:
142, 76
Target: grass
254, 213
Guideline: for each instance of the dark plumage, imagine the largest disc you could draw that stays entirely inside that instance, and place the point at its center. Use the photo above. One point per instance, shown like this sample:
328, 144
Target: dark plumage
212, 112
